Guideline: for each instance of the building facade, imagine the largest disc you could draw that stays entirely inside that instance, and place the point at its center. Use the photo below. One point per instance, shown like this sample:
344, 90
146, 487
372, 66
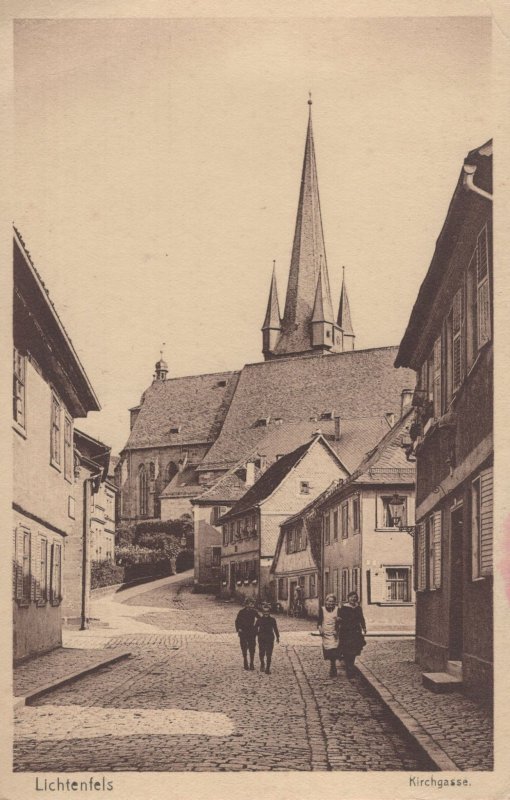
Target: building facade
50, 390
356, 536
251, 528
448, 342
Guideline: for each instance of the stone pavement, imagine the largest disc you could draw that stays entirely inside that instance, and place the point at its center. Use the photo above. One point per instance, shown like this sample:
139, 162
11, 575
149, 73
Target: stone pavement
461, 728
55, 666
182, 702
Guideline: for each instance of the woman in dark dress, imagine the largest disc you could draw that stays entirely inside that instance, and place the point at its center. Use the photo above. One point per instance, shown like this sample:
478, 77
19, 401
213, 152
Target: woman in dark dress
351, 629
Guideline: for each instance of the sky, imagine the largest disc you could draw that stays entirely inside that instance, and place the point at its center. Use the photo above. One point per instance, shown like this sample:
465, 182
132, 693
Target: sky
158, 165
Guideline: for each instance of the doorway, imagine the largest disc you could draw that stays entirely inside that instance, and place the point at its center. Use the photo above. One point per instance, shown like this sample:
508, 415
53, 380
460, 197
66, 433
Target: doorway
456, 637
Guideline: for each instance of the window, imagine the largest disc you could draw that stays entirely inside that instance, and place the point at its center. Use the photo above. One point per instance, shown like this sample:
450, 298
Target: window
304, 487
398, 589
327, 587
355, 514
68, 448
231, 529
56, 574
345, 520
327, 528
55, 431
42, 584
390, 515
345, 584
428, 553
225, 530
218, 512
143, 491
18, 389
481, 525
216, 556
283, 589
335, 525
336, 585
312, 585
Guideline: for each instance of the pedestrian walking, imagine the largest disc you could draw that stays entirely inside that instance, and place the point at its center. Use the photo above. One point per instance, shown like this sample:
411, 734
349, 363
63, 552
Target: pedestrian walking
245, 627
352, 626
328, 627
267, 630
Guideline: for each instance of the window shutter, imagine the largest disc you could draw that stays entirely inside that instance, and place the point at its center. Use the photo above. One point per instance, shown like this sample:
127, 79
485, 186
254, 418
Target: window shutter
36, 572
18, 569
486, 522
436, 578
208, 556
422, 558
458, 337
437, 378
377, 585
483, 299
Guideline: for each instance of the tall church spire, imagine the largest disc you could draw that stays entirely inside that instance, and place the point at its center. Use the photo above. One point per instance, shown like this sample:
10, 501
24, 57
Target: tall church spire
344, 317
308, 265
272, 322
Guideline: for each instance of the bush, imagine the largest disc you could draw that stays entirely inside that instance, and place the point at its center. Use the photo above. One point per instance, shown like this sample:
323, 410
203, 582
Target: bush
105, 573
184, 561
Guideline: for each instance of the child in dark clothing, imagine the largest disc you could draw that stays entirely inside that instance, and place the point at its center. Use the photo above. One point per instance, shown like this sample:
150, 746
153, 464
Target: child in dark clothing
266, 630
245, 627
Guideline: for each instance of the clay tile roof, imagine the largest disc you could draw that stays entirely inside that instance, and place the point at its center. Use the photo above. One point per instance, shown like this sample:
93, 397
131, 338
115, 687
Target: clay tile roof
194, 407
355, 384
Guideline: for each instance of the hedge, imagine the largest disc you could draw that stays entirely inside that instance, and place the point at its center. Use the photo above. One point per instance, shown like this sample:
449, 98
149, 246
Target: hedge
105, 573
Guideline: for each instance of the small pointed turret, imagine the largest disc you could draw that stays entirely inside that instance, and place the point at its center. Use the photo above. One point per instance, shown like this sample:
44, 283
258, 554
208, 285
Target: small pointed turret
344, 317
272, 322
322, 320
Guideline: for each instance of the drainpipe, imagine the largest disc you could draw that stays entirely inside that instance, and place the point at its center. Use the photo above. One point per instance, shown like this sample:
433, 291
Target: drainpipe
469, 172
88, 487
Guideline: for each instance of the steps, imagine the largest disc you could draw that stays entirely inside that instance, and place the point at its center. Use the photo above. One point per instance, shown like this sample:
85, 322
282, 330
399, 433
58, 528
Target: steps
442, 682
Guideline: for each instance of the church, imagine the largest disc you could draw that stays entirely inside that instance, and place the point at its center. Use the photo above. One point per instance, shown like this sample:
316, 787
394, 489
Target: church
197, 442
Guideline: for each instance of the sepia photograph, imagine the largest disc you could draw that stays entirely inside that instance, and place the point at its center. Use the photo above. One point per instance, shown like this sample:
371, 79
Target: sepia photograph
252, 401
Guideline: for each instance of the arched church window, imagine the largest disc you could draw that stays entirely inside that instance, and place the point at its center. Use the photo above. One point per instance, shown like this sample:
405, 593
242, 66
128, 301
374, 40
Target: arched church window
171, 470
143, 491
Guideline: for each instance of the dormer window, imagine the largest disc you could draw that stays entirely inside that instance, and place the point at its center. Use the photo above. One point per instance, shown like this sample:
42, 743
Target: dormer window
221, 383
304, 487
278, 420
327, 415
176, 429
263, 422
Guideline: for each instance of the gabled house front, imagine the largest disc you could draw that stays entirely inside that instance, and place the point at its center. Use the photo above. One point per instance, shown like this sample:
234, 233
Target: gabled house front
250, 529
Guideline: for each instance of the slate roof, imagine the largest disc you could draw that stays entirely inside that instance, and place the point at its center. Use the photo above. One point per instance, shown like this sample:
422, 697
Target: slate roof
196, 404
387, 463
183, 484
358, 383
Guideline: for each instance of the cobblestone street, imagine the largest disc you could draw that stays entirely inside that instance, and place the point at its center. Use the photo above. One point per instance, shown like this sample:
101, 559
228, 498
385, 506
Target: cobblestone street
183, 702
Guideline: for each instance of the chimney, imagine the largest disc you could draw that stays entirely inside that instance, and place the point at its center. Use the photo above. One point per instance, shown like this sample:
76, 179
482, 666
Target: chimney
406, 401
250, 473
338, 429
390, 418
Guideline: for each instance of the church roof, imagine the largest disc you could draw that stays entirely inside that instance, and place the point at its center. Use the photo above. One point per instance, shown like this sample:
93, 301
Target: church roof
307, 252
183, 410
358, 383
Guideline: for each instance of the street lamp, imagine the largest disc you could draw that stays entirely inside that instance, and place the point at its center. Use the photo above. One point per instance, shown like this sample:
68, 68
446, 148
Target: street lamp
396, 507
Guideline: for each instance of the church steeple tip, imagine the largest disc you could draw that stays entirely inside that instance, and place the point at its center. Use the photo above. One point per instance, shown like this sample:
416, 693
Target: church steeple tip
272, 322
344, 320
